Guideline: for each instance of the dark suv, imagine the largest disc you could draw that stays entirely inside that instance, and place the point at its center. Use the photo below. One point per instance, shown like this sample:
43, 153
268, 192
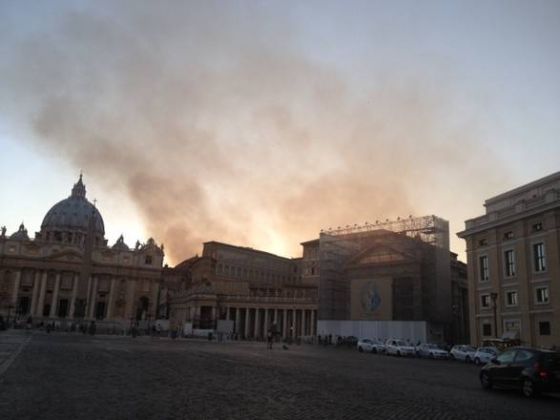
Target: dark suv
527, 369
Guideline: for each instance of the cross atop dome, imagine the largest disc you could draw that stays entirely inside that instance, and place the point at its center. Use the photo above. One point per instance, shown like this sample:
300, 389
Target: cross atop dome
79, 189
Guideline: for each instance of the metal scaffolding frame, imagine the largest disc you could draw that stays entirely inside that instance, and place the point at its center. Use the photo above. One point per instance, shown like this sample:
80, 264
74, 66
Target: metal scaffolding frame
338, 246
430, 229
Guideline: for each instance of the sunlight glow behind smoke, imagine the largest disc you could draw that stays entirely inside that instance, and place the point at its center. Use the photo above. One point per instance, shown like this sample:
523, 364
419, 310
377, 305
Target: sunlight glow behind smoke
216, 133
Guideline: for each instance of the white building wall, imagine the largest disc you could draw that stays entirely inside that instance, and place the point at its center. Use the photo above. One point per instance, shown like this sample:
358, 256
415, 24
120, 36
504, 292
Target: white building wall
412, 330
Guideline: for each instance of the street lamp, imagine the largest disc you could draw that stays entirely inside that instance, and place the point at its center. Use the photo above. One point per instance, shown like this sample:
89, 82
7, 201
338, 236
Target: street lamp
494, 296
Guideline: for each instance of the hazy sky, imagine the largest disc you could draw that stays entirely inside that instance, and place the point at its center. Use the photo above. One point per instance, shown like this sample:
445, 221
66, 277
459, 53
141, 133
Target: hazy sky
259, 123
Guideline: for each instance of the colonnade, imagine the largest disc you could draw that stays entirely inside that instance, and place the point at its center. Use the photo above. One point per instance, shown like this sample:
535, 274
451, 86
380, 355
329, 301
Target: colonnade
250, 322
47, 301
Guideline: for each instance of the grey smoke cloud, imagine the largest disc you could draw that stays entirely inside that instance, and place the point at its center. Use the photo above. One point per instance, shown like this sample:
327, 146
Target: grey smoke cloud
216, 124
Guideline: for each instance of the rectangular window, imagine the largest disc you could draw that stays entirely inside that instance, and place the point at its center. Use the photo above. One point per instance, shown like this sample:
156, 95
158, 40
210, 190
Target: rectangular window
508, 235
485, 301
482, 242
542, 294
483, 265
544, 328
509, 257
148, 260
539, 258
511, 298
486, 330
537, 227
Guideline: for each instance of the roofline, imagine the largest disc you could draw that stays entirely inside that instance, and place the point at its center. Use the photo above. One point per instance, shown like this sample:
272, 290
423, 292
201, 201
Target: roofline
463, 234
523, 188
246, 248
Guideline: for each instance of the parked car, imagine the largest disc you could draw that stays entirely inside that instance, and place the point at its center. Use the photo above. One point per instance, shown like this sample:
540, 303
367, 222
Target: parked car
348, 341
463, 352
485, 354
378, 346
431, 351
371, 345
399, 348
364, 345
530, 370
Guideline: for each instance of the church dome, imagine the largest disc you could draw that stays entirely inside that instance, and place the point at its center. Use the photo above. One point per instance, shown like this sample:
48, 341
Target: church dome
73, 214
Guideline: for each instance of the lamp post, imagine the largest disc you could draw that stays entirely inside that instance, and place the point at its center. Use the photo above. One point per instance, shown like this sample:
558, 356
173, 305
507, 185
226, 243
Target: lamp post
494, 296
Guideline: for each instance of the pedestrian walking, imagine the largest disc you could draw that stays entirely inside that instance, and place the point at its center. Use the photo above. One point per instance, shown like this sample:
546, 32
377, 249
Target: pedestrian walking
269, 339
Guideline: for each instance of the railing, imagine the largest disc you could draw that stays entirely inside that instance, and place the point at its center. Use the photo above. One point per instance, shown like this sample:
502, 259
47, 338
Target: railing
269, 299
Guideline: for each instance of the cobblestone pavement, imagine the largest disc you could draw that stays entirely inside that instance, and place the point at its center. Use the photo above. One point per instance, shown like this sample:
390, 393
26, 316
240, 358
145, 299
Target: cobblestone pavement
65, 376
11, 344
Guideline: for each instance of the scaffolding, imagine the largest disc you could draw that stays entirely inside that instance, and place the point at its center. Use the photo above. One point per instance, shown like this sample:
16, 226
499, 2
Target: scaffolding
338, 246
430, 229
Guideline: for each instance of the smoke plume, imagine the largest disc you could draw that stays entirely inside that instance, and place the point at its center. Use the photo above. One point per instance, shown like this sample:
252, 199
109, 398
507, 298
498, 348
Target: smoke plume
218, 125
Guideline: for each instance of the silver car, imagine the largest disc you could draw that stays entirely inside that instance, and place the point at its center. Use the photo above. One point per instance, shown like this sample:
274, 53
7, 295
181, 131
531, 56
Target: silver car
431, 351
371, 345
399, 348
463, 353
484, 355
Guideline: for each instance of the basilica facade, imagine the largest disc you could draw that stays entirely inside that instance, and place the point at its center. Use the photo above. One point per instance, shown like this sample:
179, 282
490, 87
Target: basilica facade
67, 273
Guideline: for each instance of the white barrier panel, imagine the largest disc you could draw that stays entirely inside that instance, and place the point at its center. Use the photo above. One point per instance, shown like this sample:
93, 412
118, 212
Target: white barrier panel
405, 330
202, 332
187, 328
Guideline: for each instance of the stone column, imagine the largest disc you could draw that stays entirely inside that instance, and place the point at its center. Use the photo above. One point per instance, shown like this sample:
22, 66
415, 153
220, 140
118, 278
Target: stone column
246, 331
303, 322
17, 281
154, 299
131, 286
285, 324
227, 313
276, 316
88, 298
93, 297
41, 304
74, 294
293, 325
257, 320
265, 321
35, 294
312, 322
237, 320
54, 302
110, 301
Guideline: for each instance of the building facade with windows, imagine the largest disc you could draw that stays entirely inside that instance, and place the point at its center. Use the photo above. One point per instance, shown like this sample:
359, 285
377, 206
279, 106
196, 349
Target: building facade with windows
255, 289
68, 274
513, 259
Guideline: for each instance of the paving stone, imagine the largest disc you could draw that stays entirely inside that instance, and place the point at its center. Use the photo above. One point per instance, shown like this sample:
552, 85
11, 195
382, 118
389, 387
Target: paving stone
66, 376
